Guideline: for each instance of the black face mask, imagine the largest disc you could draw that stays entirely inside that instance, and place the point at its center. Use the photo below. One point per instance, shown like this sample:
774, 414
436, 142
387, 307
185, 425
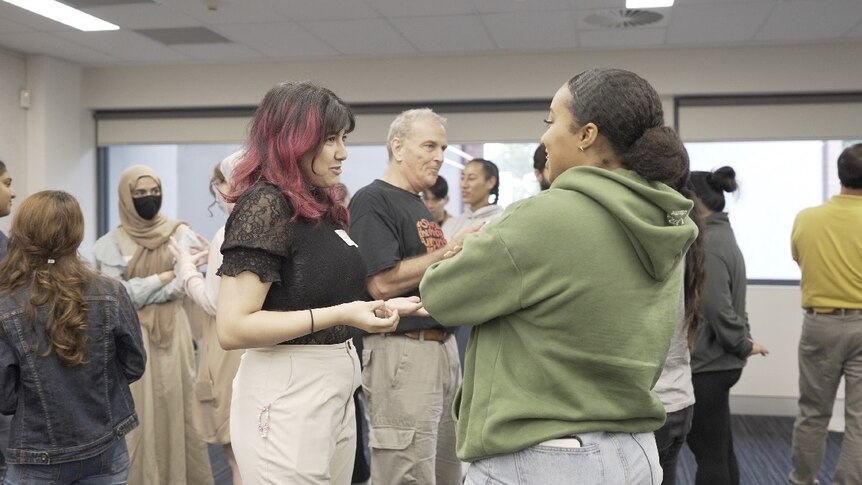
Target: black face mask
148, 206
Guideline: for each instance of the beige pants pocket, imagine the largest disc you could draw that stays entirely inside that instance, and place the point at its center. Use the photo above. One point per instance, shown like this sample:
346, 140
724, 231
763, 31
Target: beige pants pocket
387, 438
204, 391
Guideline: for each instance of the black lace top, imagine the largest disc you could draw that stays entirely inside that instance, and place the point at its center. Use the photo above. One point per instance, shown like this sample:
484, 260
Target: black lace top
309, 266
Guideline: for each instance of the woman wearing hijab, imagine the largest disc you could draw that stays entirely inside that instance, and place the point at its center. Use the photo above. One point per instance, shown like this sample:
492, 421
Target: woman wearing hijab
165, 448
216, 367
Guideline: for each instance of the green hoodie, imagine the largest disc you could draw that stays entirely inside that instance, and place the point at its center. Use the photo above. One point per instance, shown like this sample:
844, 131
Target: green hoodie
573, 295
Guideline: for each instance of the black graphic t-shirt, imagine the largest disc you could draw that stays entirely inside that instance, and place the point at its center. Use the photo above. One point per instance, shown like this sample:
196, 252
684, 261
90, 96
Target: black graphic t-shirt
310, 266
390, 224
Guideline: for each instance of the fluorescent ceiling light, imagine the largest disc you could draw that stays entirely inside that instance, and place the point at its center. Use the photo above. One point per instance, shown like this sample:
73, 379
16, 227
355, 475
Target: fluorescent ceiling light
64, 14
647, 3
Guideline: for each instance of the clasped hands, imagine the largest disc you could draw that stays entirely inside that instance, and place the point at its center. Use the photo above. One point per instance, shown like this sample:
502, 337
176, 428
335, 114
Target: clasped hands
196, 257
381, 316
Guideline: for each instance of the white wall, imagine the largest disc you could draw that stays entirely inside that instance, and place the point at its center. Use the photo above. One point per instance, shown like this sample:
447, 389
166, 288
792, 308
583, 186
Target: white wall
60, 134
767, 69
13, 123
60, 137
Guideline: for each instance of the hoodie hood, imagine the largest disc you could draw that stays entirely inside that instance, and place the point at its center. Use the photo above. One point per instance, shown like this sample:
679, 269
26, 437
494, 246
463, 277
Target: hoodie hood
654, 216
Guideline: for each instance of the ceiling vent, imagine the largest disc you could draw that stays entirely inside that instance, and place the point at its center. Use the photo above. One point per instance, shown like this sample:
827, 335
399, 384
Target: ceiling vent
623, 18
184, 35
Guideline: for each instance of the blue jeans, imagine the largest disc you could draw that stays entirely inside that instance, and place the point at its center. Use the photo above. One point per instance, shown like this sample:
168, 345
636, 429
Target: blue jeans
109, 468
604, 459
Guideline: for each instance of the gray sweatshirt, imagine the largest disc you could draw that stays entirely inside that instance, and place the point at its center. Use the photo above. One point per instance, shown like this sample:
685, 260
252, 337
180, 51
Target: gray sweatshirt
724, 340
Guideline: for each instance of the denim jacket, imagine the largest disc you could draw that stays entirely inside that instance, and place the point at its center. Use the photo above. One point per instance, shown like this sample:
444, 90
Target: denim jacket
64, 414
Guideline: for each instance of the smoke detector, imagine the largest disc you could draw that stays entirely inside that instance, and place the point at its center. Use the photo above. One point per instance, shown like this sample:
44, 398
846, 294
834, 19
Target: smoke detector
623, 18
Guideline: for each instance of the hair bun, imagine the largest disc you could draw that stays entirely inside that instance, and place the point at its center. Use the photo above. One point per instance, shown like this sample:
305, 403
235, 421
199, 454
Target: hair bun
723, 179
658, 155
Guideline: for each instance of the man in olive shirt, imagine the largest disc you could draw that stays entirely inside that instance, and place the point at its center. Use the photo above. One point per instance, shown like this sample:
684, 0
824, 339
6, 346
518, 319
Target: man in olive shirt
827, 244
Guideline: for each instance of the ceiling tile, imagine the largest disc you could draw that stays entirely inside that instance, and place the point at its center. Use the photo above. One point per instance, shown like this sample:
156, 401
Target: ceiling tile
51, 45
702, 24
361, 37
497, 6
324, 9
421, 8
531, 31
82, 4
616, 38
463, 33
144, 16
10, 27
856, 31
309, 29
219, 52
126, 45
594, 4
811, 20
731, 3
228, 11
280, 40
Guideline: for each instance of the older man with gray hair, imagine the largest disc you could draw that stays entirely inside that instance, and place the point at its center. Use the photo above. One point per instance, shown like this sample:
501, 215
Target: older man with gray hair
409, 376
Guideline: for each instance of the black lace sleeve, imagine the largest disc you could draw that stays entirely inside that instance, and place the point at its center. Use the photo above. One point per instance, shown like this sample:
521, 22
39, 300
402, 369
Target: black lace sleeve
258, 234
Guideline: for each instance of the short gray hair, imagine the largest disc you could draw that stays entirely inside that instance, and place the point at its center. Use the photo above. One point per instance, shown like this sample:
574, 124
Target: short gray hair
402, 124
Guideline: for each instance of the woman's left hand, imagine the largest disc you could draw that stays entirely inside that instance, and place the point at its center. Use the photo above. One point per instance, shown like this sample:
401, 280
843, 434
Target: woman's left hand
200, 251
757, 348
407, 305
184, 257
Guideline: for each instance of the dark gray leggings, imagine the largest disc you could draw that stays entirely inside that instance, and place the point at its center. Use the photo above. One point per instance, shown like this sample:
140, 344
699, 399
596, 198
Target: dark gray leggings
710, 438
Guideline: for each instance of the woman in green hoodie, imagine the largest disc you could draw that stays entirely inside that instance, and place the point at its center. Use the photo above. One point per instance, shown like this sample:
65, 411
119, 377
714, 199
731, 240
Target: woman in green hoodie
567, 342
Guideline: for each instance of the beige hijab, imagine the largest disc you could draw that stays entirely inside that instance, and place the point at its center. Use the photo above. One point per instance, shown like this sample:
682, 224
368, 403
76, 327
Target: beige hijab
152, 255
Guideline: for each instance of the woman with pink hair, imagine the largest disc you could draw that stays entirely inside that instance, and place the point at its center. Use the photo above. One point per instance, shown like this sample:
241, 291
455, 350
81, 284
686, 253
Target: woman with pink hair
292, 291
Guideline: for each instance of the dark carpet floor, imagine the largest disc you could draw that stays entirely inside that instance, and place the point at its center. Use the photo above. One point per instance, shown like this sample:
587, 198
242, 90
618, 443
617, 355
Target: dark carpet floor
762, 445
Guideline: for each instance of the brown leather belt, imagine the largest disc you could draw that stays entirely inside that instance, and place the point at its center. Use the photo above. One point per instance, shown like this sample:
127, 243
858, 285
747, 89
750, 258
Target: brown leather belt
841, 312
434, 334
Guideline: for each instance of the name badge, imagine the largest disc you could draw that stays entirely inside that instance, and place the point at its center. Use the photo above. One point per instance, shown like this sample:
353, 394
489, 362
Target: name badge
343, 235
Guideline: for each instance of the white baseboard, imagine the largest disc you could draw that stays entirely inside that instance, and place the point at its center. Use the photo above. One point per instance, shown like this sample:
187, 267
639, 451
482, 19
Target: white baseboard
782, 406
764, 405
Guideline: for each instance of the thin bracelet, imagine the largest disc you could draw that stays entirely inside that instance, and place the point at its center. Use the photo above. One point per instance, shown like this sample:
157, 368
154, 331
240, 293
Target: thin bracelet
312, 320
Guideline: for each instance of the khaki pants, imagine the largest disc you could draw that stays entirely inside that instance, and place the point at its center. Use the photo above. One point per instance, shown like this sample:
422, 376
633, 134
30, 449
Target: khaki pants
410, 385
292, 419
830, 347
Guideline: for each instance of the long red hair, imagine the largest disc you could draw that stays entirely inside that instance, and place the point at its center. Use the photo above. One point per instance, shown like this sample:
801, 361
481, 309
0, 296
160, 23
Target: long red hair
293, 120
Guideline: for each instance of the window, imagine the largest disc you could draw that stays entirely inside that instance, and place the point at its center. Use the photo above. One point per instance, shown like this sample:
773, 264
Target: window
776, 180
186, 169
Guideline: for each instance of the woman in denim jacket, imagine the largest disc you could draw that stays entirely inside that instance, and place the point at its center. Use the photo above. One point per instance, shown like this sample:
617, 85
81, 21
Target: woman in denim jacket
70, 344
